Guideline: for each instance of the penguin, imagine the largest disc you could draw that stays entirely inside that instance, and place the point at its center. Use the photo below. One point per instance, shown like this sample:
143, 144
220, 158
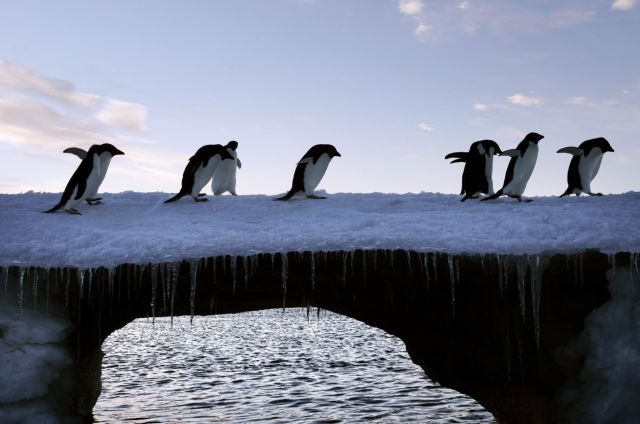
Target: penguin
310, 170
478, 169
199, 171
109, 151
585, 165
523, 160
82, 182
224, 179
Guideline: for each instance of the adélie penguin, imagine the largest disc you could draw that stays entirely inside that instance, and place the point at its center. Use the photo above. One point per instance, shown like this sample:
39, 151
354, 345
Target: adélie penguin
478, 169
523, 160
310, 170
585, 165
84, 180
199, 171
224, 178
109, 151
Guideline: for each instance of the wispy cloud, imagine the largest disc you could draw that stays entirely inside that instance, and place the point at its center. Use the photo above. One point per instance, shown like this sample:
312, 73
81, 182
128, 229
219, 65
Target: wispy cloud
415, 10
125, 115
424, 127
524, 100
624, 5
480, 106
411, 7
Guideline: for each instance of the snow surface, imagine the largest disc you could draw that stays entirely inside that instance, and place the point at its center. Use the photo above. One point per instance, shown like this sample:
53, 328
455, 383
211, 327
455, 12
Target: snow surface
138, 228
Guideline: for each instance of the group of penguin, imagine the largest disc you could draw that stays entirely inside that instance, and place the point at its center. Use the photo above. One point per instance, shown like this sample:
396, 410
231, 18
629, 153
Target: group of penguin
211, 162
477, 175
219, 164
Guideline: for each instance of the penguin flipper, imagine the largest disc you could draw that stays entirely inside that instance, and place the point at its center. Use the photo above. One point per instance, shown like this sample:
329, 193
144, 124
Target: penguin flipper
459, 160
511, 152
567, 192
239, 164
575, 151
81, 153
459, 155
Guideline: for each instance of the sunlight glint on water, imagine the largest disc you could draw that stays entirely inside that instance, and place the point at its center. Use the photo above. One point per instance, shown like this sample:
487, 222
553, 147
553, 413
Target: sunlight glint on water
269, 366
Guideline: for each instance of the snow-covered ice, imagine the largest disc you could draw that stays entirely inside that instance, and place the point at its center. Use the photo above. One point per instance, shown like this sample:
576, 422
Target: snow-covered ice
137, 228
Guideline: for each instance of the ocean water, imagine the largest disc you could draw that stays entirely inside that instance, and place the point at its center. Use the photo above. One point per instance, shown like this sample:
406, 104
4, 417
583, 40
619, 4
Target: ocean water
269, 366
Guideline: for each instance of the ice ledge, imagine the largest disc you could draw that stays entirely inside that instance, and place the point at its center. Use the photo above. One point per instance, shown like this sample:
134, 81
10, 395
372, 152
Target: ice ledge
137, 228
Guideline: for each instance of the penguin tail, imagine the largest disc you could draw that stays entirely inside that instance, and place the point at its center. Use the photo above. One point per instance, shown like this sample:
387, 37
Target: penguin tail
176, 197
493, 196
567, 192
54, 209
287, 196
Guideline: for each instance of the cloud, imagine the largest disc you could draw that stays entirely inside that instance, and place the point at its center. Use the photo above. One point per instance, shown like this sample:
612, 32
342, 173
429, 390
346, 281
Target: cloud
480, 106
411, 7
578, 100
425, 127
624, 5
524, 100
17, 78
125, 115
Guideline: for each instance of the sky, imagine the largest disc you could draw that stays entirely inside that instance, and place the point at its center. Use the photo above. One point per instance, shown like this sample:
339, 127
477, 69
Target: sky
395, 85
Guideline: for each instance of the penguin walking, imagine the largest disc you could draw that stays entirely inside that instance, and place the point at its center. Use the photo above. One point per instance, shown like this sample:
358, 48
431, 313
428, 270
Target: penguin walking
523, 160
585, 165
310, 170
478, 169
224, 178
199, 171
83, 181
109, 151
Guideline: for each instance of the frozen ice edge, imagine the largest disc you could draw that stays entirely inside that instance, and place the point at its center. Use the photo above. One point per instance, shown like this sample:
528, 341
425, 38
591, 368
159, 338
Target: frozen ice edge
137, 228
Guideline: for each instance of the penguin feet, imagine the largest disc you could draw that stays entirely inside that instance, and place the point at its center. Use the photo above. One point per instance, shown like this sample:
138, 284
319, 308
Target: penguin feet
200, 199
94, 201
202, 194
313, 196
595, 194
521, 199
233, 193
73, 212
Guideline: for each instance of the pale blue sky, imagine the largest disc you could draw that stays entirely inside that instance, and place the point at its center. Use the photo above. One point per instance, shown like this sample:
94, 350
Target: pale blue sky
393, 84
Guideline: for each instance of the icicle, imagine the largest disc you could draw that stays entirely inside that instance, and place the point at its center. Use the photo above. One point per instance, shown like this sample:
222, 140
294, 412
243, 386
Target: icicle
313, 271
500, 274
80, 281
5, 280
364, 267
425, 265
110, 272
575, 270
482, 266
456, 265
285, 272
153, 271
434, 265
36, 276
581, 267
163, 284
522, 265
20, 294
408, 253
537, 267
635, 265
375, 260
612, 264
245, 266
193, 273
392, 255
213, 272
233, 272
65, 277
224, 267
89, 283
452, 277
273, 261
344, 269
173, 278
352, 256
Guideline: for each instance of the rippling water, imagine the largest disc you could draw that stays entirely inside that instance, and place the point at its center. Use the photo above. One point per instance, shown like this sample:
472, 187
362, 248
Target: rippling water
269, 366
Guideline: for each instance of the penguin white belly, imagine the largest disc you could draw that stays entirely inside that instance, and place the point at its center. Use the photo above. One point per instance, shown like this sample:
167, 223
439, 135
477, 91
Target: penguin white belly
203, 175
224, 179
313, 173
588, 168
522, 172
488, 174
105, 160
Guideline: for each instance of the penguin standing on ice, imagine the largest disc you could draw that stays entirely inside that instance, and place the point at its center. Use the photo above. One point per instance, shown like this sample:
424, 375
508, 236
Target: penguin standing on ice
478, 169
84, 180
109, 151
310, 170
199, 171
224, 178
523, 160
585, 165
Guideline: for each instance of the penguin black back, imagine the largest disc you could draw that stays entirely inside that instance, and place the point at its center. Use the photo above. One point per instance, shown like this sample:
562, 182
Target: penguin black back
200, 158
474, 177
311, 157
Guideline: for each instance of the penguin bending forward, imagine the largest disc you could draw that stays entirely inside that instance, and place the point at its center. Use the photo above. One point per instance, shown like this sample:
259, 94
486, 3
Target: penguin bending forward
310, 170
199, 171
224, 178
85, 179
585, 165
523, 160
478, 169
105, 159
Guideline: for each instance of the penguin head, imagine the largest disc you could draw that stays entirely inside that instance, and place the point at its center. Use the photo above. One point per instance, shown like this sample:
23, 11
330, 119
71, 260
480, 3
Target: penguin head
533, 137
488, 147
599, 142
233, 145
109, 148
331, 151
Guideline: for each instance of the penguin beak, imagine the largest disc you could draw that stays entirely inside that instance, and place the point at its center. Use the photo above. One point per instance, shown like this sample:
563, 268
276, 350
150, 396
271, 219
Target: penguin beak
118, 152
338, 154
610, 149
